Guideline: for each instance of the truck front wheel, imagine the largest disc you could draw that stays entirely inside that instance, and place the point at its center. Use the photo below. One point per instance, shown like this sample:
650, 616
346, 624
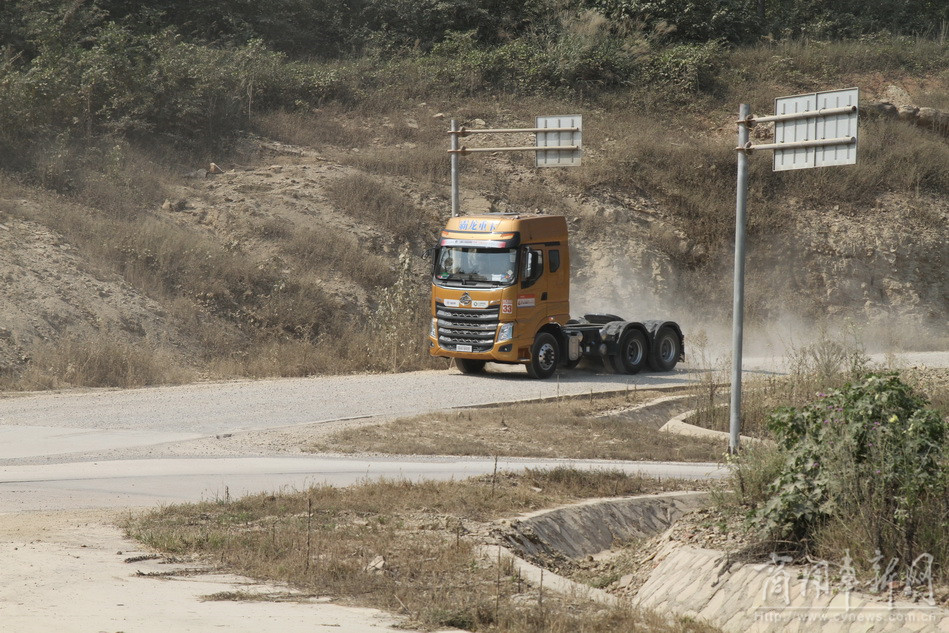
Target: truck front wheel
632, 353
666, 349
545, 356
470, 365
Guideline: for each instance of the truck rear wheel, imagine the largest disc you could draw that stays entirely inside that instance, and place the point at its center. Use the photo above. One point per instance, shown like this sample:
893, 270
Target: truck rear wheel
470, 365
666, 349
545, 356
632, 354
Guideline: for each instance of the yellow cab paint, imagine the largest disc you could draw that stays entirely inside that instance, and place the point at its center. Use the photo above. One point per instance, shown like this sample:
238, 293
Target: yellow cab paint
530, 306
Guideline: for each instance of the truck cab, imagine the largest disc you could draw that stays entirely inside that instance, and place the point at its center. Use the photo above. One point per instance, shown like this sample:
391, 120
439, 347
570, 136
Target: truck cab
498, 282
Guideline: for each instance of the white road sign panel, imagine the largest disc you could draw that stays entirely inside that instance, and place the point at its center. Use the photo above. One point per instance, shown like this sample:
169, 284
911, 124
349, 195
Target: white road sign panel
569, 138
816, 129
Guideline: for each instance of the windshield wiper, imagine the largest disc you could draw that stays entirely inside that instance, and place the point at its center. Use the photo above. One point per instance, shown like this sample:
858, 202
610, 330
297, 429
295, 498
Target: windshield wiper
464, 278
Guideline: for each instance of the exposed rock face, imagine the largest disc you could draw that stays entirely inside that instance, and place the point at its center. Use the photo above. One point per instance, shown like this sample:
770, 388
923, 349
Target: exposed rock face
872, 266
880, 273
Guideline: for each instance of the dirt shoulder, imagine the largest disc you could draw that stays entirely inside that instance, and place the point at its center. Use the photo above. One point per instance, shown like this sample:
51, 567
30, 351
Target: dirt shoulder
622, 426
75, 572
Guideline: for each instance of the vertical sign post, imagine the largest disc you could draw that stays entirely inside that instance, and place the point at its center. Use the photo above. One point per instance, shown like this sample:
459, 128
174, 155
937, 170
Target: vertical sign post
811, 130
455, 193
738, 289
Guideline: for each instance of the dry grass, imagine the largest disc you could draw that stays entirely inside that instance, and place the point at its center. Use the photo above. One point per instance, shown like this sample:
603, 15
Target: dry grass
820, 366
330, 126
425, 164
323, 541
240, 317
98, 360
568, 428
331, 250
377, 203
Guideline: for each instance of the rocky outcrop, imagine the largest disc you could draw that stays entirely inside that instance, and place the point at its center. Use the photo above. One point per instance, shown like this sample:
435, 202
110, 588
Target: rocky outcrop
928, 118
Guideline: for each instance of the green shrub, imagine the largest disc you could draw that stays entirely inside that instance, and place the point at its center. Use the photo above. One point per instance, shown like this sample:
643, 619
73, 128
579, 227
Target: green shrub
870, 454
684, 69
678, 21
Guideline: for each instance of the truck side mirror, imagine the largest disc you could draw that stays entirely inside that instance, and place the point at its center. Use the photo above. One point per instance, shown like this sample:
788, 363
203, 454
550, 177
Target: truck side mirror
432, 255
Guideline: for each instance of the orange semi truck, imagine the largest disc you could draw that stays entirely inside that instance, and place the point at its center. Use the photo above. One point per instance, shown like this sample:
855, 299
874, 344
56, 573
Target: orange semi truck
501, 293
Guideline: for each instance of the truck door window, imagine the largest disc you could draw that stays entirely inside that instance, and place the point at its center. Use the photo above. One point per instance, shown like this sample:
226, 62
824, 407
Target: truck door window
554, 259
533, 266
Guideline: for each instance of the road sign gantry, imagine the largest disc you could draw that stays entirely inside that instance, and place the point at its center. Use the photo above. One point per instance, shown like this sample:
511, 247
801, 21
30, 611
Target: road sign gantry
810, 130
558, 143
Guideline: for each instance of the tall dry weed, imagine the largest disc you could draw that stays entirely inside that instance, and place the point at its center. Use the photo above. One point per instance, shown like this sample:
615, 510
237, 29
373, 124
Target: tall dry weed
99, 360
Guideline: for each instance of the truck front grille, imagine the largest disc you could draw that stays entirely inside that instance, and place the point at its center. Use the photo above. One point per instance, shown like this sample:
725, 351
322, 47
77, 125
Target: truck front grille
467, 326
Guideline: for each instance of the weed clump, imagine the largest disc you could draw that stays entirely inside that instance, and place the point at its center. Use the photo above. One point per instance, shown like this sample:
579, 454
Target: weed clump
864, 467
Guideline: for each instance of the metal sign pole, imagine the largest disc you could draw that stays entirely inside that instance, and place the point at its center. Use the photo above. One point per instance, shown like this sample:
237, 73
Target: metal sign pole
738, 307
455, 193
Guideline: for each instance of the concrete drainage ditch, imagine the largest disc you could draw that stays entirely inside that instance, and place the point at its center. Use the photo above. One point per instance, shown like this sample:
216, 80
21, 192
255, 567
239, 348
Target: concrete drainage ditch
703, 584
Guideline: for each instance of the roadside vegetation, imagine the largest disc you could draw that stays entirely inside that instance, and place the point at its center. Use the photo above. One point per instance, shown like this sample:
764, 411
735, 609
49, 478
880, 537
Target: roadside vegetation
861, 465
410, 548
824, 364
605, 427
106, 104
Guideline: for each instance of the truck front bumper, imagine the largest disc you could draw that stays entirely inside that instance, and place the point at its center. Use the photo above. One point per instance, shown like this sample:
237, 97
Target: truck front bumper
503, 352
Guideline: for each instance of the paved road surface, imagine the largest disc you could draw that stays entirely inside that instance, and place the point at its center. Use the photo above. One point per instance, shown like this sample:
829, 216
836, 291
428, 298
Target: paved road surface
64, 450
48, 441
64, 570
212, 408
147, 483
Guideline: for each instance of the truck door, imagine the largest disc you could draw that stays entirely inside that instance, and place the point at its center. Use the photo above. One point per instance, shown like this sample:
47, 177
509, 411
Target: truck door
557, 272
532, 295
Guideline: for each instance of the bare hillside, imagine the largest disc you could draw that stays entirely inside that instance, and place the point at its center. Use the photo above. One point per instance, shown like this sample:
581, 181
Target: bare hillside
287, 261
52, 295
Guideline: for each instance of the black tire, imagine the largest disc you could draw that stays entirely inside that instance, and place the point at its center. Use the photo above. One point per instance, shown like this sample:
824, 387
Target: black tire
570, 364
608, 366
470, 365
633, 353
666, 349
545, 356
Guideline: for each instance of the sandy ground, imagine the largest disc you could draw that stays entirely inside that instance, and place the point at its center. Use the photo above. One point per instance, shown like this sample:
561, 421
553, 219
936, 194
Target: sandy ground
67, 572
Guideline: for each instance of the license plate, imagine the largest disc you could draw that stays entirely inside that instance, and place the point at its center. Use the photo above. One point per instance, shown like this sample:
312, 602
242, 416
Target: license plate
462, 348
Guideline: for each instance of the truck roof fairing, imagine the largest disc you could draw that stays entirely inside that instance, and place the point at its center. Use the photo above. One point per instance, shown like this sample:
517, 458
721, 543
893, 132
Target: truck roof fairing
503, 231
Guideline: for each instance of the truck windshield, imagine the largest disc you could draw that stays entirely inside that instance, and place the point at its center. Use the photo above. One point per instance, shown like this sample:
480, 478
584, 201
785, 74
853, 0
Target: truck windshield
495, 266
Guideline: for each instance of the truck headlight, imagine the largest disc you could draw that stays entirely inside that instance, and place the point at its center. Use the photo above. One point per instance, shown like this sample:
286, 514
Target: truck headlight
506, 331
431, 331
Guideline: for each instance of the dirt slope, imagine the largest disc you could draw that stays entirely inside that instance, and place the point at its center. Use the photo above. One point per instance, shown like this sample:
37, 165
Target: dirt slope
881, 274
50, 292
